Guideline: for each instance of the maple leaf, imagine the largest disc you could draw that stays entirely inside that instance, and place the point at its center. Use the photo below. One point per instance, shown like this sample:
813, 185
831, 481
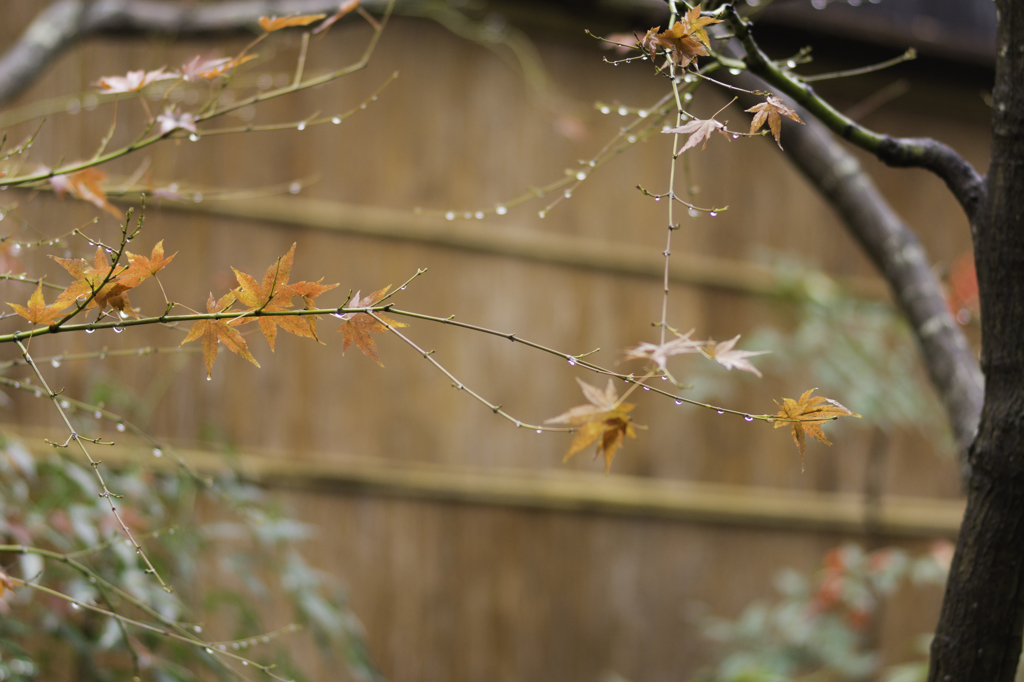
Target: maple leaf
38, 312
208, 69
807, 415
271, 24
214, 332
723, 354
357, 327
772, 110
605, 420
171, 119
308, 291
660, 353
90, 278
698, 129
697, 23
140, 267
134, 80
682, 47
274, 293
343, 9
85, 185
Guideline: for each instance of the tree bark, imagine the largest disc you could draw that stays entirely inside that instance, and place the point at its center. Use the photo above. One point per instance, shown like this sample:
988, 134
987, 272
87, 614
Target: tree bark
982, 621
895, 250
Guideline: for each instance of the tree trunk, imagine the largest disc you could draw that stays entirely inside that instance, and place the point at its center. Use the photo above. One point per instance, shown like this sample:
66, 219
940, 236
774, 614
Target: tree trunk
980, 629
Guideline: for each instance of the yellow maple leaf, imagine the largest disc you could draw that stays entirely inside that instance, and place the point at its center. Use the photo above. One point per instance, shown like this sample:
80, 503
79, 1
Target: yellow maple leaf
40, 313
605, 420
807, 415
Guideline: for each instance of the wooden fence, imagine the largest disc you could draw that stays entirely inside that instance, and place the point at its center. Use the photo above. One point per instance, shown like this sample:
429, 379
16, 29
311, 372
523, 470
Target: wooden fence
470, 551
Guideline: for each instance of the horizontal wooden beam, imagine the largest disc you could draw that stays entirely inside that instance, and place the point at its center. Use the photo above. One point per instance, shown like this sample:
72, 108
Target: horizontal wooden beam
569, 491
544, 247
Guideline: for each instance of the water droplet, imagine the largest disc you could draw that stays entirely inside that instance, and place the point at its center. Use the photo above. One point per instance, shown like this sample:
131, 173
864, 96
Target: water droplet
735, 72
713, 213
591, 163
118, 330
209, 650
647, 388
55, 363
518, 424
295, 188
623, 111
479, 215
631, 139
567, 193
581, 176
572, 361
209, 377
657, 198
542, 213
196, 628
336, 120
98, 414
194, 137
689, 78
301, 126
693, 212
790, 64
679, 402
747, 418
38, 394
721, 412
687, 97
120, 427
449, 215
501, 210
222, 647
540, 431
157, 452
75, 605
467, 215
605, 110
89, 331
197, 197
735, 136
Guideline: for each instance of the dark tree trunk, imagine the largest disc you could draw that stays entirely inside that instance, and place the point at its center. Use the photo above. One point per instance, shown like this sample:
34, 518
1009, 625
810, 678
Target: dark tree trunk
979, 632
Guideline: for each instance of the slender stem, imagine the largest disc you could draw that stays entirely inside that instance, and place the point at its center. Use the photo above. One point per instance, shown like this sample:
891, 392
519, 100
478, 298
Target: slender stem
106, 493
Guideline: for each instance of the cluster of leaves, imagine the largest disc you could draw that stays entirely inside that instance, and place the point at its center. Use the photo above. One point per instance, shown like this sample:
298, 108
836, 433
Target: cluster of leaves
820, 627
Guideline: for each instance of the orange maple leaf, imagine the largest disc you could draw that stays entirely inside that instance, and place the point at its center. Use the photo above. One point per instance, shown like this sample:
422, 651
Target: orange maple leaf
773, 110
214, 332
684, 41
274, 293
101, 278
606, 420
140, 267
85, 185
40, 313
357, 327
271, 24
807, 415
